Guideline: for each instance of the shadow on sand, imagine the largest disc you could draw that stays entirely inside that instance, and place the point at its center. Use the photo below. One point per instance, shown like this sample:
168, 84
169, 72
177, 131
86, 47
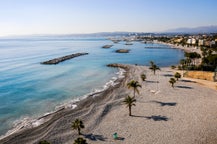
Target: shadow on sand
152, 81
165, 103
119, 138
158, 118
189, 81
168, 75
155, 118
184, 87
94, 137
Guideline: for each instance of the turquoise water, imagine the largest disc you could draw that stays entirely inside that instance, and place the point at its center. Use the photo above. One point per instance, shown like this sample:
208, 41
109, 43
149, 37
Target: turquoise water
29, 89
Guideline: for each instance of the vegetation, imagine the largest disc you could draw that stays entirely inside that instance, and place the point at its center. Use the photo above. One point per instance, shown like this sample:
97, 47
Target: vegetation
192, 56
209, 60
153, 67
80, 141
177, 76
172, 81
134, 84
43, 142
208, 46
143, 77
77, 125
129, 101
173, 67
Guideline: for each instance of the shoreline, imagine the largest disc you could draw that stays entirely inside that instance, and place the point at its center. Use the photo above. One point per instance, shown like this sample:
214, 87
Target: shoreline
99, 111
185, 49
29, 123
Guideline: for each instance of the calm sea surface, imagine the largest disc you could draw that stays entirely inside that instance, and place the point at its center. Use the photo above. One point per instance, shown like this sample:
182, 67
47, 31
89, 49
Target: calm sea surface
29, 89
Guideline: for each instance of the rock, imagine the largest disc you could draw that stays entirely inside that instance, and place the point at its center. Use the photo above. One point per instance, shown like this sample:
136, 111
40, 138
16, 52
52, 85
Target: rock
107, 46
122, 51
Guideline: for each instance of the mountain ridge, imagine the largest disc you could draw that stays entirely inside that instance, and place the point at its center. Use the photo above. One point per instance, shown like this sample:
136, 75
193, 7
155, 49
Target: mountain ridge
201, 29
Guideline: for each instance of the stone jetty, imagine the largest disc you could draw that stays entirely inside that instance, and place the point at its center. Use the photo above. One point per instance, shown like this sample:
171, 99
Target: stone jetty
61, 59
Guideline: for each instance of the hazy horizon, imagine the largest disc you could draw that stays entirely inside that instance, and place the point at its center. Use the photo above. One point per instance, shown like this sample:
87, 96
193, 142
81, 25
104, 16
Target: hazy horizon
39, 17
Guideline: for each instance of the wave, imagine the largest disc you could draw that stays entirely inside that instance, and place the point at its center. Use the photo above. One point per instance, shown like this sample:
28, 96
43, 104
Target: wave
30, 122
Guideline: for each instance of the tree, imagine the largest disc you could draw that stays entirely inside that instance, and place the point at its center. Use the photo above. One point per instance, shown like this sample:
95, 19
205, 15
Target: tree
134, 84
152, 63
80, 141
129, 101
153, 67
43, 142
177, 76
143, 77
173, 67
192, 56
183, 63
172, 81
77, 125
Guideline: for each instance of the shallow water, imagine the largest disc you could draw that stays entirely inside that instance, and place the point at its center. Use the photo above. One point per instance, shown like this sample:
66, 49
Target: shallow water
29, 89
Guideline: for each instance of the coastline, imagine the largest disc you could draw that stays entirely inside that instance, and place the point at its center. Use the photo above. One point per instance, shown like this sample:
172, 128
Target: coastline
28, 123
104, 114
185, 49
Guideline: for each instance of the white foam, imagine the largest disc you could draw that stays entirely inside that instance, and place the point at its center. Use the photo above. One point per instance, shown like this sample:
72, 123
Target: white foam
27, 122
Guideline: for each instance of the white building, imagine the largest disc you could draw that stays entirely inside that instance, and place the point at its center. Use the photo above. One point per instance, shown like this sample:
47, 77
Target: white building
193, 41
201, 42
189, 41
212, 43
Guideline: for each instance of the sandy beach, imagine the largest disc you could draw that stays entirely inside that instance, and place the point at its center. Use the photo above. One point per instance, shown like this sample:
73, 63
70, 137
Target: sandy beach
185, 114
184, 48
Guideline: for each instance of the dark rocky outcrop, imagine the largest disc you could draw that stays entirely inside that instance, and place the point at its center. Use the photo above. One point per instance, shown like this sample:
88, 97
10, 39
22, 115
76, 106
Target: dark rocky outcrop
107, 46
122, 51
61, 59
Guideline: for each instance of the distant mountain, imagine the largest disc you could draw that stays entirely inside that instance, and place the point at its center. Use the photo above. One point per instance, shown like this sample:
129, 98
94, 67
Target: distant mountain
203, 29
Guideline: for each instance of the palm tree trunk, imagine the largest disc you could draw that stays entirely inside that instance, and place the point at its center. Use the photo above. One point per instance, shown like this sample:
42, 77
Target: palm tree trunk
134, 92
79, 131
129, 110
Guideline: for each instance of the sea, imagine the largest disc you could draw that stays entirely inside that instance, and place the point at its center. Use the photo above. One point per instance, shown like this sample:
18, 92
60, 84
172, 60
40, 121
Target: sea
29, 89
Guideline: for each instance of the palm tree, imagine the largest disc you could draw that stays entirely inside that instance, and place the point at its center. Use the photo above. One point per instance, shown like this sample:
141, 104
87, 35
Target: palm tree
177, 76
80, 141
173, 67
129, 101
134, 84
77, 124
152, 63
153, 67
172, 81
143, 77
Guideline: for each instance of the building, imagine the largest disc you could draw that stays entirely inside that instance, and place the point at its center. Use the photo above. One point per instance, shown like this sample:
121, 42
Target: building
200, 42
193, 41
189, 41
212, 43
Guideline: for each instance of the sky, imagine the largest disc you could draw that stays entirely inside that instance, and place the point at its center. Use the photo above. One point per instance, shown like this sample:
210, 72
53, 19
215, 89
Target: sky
26, 17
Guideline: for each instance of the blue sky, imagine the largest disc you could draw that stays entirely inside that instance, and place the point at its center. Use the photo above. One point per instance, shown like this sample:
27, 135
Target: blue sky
23, 17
